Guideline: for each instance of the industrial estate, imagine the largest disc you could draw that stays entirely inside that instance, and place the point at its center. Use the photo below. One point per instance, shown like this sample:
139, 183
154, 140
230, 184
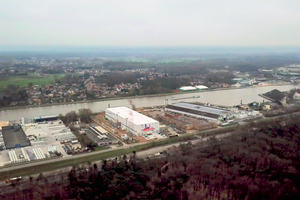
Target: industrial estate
47, 137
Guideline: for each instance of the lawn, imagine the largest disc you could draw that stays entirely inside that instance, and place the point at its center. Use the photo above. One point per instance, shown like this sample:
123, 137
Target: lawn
31, 78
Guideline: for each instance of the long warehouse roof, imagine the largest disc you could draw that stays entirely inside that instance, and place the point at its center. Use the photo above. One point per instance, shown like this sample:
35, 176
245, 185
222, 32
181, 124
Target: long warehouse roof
205, 109
187, 88
131, 115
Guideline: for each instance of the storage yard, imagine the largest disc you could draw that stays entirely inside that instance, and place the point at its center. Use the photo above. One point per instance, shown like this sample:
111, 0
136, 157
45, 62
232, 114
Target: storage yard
44, 140
181, 123
49, 138
168, 121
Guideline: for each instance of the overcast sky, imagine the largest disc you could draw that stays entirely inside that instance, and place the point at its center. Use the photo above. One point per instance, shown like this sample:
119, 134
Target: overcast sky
150, 22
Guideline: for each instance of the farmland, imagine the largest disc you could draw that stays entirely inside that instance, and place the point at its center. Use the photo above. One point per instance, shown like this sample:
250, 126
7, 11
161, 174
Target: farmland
31, 78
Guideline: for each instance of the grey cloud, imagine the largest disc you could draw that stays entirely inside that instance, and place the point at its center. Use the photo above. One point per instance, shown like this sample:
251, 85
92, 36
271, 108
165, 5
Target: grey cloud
150, 22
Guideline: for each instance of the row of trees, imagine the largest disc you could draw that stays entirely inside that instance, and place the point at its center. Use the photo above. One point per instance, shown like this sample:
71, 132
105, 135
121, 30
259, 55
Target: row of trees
161, 85
13, 93
84, 115
224, 77
118, 77
69, 79
258, 162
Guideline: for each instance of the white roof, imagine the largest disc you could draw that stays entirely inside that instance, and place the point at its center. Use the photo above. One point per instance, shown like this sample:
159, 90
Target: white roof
201, 87
101, 130
131, 115
187, 88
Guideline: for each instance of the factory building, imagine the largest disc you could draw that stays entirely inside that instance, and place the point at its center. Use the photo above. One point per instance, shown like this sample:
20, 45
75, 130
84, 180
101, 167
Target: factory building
45, 118
100, 136
198, 111
132, 121
14, 137
187, 88
201, 87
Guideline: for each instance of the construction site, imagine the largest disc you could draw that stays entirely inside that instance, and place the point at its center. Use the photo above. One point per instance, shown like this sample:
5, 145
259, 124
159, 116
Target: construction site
176, 117
49, 138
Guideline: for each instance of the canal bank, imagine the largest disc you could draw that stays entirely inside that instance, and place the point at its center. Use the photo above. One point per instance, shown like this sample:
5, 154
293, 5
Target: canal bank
127, 97
226, 97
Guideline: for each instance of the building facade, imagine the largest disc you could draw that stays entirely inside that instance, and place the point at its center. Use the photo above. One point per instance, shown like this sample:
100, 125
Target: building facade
132, 121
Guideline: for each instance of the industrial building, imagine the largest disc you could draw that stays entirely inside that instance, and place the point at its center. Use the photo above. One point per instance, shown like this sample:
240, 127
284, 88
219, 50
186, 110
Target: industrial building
198, 111
201, 87
275, 96
187, 88
132, 121
14, 137
100, 136
45, 118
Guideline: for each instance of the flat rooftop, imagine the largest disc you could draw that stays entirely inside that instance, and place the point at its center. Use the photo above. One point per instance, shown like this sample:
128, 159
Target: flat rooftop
14, 137
274, 95
206, 111
137, 118
45, 118
99, 138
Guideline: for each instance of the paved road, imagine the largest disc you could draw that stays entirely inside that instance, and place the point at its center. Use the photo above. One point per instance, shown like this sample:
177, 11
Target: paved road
62, 174
140, 154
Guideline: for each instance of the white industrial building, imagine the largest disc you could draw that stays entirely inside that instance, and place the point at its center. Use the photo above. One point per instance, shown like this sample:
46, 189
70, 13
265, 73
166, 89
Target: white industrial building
187, 88
132, 121
201, 87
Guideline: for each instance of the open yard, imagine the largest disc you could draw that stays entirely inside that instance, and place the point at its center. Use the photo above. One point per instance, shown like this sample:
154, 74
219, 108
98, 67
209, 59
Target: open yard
31, 78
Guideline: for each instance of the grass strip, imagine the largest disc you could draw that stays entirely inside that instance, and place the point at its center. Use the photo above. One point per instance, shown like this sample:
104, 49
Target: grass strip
88, 158
115, 153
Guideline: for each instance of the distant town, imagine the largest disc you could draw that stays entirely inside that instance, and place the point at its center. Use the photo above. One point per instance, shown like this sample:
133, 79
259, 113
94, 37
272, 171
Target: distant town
142, 100
36, 81
126, 134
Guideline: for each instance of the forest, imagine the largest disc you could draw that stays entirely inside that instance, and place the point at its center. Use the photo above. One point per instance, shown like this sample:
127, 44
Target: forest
257, 162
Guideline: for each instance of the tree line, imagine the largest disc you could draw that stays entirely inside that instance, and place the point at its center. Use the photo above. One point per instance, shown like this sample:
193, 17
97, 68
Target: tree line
13, 93
84, 115
260, 161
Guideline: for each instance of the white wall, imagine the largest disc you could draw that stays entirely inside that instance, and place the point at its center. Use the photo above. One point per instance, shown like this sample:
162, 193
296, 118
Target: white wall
139, 128
134, 128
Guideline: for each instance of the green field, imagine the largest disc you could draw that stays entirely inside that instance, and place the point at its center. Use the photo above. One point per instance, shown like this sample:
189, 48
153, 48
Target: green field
31, 78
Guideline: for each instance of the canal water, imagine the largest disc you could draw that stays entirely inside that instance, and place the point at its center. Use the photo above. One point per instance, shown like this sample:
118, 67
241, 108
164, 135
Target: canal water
220, 97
